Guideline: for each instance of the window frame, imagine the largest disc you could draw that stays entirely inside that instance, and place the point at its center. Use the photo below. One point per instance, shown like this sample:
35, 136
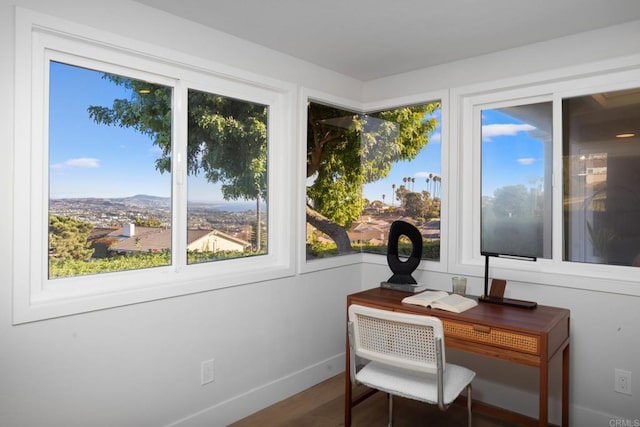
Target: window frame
41, 38
466, 204
310, 95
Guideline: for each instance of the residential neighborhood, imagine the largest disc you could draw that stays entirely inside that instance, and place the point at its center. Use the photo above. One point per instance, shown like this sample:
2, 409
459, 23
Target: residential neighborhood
131, 239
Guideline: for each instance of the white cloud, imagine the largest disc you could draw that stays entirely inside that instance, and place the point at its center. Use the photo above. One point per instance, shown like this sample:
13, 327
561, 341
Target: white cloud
435, 138
81, 162
490, 131
526, 160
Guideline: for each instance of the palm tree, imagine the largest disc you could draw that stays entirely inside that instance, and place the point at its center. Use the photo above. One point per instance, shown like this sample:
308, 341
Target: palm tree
393, 193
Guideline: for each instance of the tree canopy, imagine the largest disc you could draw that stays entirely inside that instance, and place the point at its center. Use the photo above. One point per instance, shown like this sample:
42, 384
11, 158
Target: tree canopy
346, 150
227, 142
68, 238
415, 205
227, 138
510, 200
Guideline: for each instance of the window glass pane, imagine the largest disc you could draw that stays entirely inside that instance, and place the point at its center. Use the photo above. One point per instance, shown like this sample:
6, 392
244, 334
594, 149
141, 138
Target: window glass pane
407, 142
601, 178
227, 178
334, 179
516, 180
366, 170
109, 172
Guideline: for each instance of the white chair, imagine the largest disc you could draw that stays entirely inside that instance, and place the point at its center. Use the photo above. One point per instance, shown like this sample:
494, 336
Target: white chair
405, 357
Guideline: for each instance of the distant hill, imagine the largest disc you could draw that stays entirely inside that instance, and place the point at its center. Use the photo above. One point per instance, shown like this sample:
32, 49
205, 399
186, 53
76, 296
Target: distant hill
138, 201
144, 201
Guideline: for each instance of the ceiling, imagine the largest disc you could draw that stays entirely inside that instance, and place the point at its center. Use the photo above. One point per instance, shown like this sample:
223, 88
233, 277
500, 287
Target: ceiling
369, 39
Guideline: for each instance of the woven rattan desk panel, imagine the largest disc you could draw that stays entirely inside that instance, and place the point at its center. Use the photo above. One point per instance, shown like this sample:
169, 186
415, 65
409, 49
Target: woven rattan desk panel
492, 336
526, 336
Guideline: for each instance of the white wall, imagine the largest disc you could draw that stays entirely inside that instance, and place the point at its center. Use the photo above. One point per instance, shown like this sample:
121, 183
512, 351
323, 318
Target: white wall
140, 365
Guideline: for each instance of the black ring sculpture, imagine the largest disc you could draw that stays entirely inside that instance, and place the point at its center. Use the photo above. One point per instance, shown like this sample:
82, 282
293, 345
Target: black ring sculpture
402, 269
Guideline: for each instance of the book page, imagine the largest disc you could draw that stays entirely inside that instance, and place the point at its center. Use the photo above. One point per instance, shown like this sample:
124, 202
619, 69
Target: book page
425, 298
454, 302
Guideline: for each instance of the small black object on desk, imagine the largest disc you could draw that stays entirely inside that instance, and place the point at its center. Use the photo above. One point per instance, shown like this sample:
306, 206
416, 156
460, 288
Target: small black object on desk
402, 279
499, 299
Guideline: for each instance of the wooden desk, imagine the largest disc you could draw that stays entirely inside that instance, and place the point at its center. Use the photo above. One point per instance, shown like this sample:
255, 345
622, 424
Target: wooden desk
529, 337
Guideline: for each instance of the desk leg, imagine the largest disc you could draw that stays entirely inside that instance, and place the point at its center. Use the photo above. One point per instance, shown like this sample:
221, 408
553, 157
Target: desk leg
565, 386
543, 403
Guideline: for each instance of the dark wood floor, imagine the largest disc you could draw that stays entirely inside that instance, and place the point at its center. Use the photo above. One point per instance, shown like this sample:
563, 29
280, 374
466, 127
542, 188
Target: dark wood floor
323, 406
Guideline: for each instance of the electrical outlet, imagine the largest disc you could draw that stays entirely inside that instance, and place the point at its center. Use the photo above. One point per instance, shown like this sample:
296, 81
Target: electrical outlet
622, 381
206, 371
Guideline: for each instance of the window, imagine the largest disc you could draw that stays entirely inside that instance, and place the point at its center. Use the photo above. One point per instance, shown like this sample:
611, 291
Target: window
516, 179
366, 170
601, 198
109, 172
227, 178
110, 151
133, 173
550, 171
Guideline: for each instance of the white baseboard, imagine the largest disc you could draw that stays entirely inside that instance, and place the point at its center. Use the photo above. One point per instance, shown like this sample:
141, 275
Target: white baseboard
526, 403
510, 398
581, 416
241, 406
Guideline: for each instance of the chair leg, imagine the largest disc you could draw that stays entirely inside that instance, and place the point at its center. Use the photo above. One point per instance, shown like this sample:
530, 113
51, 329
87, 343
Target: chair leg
469, 404
390, 402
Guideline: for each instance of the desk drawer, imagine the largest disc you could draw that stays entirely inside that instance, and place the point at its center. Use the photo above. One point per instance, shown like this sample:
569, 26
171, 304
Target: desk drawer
492, 336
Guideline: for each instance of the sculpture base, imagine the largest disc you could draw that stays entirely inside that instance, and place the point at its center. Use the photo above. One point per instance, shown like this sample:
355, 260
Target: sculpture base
404, 287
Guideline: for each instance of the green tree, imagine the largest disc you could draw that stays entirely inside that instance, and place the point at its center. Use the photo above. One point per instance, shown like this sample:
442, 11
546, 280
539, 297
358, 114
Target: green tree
431, 205
415, 205
346, 150
149, 222
227, 142
401, 194
68, 238
510, 201
227, 138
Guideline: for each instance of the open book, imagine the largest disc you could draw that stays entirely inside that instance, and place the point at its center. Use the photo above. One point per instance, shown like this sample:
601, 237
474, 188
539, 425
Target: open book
442, 300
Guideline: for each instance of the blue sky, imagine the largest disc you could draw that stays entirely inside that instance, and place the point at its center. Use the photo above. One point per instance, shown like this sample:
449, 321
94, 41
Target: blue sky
511, 153
91, 160
511, 156
428, 161
94, 160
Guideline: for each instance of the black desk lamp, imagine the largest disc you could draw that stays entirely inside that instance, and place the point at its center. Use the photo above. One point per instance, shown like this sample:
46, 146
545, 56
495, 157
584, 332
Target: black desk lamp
499, 299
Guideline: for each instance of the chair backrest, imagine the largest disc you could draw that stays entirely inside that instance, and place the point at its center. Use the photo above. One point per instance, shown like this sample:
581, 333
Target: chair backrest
400, 339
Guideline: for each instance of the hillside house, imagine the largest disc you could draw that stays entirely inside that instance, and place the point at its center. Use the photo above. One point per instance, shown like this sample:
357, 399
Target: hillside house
132, 239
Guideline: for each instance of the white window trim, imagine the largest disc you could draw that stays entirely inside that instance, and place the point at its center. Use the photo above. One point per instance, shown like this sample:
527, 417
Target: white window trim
307, 95
39, 37
464, 254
